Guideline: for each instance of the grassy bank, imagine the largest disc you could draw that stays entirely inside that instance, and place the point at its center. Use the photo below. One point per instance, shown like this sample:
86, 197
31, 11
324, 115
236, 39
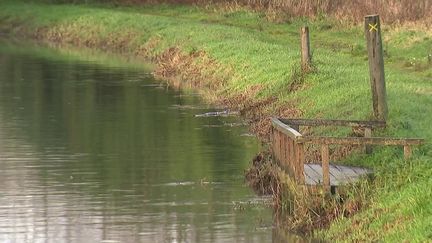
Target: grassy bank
242, 60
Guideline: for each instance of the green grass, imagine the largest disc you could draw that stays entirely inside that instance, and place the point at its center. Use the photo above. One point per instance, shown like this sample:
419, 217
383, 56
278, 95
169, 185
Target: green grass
260, 53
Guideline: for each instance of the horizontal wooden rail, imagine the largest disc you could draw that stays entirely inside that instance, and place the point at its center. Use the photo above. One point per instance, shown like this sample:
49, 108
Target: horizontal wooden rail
326, 122
361, 140
285, 129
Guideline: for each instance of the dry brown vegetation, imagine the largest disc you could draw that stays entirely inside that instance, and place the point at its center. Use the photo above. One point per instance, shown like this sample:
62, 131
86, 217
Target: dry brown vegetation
303, 209
391, 11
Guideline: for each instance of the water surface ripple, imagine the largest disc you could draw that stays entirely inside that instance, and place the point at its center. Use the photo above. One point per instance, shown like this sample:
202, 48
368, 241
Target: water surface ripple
96, 153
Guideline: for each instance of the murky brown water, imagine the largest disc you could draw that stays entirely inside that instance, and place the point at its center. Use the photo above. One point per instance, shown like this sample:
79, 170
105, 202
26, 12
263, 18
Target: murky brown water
103, 153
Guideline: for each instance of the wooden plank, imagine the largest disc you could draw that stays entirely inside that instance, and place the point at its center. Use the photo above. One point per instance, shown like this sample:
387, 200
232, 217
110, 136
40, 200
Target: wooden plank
309, 180
360, 140
340, 175
376, 66
274, 144
285, 152
300, 161
347, 171
285, 129
336, 176
311, 176
279, 151
291, 155
314, 173
325, 157
330, 122
305, 48
277, 145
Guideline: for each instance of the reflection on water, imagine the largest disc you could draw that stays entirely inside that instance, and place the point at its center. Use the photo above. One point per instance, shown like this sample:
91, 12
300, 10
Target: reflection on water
90, 153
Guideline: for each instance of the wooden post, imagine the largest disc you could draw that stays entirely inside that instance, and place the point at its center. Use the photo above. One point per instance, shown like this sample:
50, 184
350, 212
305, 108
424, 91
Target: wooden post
368, 134
325, 157
305, 48
407, 152
376, 66
273, 141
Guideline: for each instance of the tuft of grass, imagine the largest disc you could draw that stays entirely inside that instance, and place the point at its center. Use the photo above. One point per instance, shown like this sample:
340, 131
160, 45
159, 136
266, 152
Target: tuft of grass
398, 209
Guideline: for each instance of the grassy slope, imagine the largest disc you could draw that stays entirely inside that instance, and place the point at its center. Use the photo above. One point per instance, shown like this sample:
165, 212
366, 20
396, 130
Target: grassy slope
257, 52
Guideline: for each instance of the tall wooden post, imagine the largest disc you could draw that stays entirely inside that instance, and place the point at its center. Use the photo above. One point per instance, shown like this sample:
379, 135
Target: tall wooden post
305, 48
376, 66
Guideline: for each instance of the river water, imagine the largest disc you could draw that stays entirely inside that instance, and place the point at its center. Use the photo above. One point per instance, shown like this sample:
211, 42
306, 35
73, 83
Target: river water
92, 150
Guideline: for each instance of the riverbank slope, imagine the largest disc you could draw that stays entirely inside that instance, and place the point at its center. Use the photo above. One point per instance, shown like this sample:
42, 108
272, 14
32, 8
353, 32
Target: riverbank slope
239, 59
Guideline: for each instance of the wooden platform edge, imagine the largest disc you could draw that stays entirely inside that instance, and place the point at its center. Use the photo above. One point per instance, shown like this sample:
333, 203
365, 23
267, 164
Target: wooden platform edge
338, 175
285, 129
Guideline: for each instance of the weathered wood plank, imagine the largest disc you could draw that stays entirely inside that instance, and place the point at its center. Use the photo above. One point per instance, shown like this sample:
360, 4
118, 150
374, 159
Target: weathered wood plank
285, 129
339, 175
300, 161
291, 155
279, 150
274, 143
314, 174
309, 180
285, 152
360, 140
348, 172
330, 122
325, 157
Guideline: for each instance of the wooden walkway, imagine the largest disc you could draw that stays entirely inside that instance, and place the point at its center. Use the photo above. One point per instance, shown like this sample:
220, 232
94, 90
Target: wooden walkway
288, 146
339, 174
